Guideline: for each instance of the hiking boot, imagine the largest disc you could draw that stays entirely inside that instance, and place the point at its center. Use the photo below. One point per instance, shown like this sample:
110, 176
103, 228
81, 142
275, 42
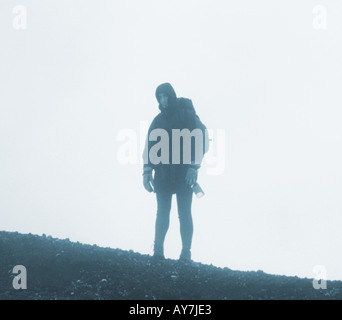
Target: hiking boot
158, 253
158, 257
185, 256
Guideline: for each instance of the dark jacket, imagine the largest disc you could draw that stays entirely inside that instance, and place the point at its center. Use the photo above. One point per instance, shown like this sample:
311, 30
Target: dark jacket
180, 114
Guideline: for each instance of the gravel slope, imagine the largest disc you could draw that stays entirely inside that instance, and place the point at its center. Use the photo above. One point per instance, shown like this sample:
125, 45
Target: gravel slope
60, 269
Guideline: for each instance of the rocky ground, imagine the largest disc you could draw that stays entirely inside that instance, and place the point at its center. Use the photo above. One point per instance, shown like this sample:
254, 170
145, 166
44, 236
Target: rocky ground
64, 270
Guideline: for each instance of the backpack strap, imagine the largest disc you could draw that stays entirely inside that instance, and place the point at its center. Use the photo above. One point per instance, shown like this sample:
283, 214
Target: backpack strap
186, 107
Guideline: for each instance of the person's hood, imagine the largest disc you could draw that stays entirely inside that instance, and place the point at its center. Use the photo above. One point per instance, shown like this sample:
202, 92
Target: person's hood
170, 92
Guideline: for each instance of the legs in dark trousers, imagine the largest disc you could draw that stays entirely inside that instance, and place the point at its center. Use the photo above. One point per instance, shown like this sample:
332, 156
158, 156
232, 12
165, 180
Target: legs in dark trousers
162, 221
184, 200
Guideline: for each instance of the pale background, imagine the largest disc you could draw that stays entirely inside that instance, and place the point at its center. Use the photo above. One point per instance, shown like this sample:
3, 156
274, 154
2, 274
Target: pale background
83, 71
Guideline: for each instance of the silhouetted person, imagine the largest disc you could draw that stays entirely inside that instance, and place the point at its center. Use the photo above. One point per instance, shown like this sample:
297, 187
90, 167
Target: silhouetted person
174, 171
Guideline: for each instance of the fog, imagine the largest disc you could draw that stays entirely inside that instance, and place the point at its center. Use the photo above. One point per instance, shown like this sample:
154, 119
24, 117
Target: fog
77, 85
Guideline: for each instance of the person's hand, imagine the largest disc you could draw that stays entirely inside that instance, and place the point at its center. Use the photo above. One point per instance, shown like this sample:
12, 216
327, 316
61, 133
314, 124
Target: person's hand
148, 182
191, 176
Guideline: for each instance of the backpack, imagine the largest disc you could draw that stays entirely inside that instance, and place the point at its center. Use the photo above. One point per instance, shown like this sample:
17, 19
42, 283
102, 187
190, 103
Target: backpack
186, 106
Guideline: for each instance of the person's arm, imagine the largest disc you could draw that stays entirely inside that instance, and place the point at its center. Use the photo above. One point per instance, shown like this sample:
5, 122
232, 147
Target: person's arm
197, 154
148, 181
148, 167
199, 124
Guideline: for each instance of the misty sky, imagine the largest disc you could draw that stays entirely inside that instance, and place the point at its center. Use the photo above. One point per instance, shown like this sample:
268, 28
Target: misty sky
77, 86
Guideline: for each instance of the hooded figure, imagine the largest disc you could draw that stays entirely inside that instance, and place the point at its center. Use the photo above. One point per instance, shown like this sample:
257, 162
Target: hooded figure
175, 146
169, 163
169, 91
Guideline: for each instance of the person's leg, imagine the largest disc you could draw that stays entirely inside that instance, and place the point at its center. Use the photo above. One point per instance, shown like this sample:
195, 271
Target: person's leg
184, 201
162, 222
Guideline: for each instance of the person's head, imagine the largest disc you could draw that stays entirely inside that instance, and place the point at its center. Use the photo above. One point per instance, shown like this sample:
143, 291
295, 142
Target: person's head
166, 95
163, 99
